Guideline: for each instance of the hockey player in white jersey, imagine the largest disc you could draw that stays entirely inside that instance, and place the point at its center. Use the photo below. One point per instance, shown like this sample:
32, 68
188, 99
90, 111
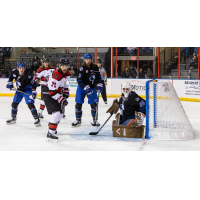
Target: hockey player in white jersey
42, 76
56, 99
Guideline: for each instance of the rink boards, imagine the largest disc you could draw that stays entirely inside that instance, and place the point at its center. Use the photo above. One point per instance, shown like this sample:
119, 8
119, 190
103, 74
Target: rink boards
187, 90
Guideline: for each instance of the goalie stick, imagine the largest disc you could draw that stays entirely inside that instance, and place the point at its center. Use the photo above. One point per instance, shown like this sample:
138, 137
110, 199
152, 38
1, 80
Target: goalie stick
95, 133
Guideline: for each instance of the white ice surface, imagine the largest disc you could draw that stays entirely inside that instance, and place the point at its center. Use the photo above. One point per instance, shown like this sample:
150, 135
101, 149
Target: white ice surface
24, 135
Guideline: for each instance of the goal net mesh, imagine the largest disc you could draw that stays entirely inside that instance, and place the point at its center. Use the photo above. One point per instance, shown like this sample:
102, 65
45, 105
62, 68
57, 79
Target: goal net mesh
166, 118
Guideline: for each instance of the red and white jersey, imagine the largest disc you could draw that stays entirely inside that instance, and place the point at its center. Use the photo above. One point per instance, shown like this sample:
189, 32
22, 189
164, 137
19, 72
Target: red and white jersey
43, 75
57, 82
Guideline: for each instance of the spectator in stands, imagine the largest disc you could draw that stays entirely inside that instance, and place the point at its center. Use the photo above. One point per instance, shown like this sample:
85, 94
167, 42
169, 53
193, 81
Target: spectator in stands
41, 60
147, 65
118, 71
57, 65
35, 64
132, 50
72, 72
194, 63
192, 58
132, 71
2, 56
149, 74
141, 73
126, 73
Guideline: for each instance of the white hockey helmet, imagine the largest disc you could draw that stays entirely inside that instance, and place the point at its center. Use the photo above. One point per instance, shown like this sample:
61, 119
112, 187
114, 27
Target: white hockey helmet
126, 89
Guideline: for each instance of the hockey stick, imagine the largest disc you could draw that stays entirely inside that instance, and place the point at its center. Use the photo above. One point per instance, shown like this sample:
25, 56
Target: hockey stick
14, 89
96, 109
95, 133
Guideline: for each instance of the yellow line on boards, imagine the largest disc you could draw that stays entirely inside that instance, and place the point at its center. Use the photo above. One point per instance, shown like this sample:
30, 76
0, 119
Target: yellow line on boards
108, 95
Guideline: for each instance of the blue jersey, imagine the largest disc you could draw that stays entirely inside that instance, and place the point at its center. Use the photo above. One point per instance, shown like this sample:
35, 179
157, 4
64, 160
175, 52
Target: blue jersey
88, 76
23, 82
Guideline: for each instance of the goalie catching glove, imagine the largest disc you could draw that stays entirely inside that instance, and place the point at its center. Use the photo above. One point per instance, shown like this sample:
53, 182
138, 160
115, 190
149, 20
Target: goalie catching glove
114, 108
139, 119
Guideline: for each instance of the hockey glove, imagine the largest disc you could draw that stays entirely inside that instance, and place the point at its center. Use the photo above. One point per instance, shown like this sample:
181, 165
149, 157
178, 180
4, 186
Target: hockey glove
34, 94
88, 90
9, 85
139, 118
63, 101
100, 87
65, 92
114, 108
37, 80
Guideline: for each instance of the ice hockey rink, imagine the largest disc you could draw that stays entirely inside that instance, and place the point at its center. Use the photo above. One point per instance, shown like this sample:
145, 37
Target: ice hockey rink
24, 135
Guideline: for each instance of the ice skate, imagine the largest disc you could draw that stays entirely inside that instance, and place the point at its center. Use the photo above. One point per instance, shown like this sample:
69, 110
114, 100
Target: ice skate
12, 120
95, 123
76, 123
51, 137
37, 122
40, 115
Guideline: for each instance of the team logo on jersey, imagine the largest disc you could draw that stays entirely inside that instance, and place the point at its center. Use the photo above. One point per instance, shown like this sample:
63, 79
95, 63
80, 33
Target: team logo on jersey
29, 76
56, 76
92, 78
142, 103
32, 82
137, 99
81, 69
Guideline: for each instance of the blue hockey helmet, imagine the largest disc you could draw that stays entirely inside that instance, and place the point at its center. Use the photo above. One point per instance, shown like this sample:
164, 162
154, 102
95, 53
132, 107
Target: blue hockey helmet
87, 56
20, 65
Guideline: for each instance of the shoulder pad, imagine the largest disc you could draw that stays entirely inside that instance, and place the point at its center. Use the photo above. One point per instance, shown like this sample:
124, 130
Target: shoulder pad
68, 73
57, 75
40, 69
52, 67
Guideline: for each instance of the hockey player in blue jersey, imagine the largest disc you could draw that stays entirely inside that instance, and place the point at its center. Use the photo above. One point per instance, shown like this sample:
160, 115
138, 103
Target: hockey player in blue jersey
25, 84
86, 77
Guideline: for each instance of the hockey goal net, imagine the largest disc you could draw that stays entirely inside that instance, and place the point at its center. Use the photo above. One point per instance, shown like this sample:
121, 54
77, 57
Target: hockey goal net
166, 118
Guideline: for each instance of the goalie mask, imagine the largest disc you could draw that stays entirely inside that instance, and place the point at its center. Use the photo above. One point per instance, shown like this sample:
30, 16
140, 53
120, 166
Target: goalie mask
126, 89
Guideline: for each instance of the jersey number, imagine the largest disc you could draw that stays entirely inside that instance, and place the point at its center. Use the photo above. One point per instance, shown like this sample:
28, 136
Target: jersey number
53, 84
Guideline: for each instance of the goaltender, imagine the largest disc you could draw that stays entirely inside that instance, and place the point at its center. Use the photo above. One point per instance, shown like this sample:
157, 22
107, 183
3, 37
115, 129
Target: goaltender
132, 107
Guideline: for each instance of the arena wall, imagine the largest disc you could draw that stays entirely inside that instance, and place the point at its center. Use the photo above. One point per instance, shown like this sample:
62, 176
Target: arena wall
187, 90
